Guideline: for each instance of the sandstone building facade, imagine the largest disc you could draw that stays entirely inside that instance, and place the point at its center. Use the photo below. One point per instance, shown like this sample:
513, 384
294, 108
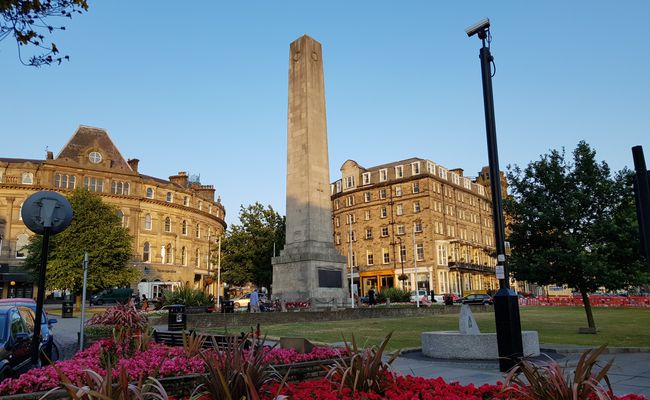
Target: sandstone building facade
415, 220
175, 223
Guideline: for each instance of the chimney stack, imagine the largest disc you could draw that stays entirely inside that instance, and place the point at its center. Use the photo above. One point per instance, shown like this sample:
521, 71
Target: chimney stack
133, 163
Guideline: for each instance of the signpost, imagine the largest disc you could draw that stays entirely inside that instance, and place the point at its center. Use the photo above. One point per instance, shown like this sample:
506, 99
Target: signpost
44, 213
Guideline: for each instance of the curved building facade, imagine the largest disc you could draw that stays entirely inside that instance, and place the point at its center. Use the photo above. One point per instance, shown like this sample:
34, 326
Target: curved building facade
175, 222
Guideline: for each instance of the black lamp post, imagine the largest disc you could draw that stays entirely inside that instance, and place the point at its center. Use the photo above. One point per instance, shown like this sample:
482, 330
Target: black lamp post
506, 302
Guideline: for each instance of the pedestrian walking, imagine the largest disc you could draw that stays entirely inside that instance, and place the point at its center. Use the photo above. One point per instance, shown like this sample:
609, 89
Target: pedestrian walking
254, 301
371, 297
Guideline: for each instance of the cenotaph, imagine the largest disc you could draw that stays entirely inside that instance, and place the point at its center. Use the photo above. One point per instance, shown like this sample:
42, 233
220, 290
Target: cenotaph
309, 267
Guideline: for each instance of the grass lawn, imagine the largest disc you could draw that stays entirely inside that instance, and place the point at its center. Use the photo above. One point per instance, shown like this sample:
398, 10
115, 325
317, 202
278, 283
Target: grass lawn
617, 327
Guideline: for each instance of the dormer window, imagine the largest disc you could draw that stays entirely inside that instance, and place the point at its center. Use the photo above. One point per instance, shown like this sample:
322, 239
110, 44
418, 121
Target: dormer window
383, 175
366, 178
399, 171
442, 173
415, 168
349, 182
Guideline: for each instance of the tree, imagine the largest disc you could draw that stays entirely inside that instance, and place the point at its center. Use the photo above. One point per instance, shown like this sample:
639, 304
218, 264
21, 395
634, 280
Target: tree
95, 229
248, 247
573, 223
27, 22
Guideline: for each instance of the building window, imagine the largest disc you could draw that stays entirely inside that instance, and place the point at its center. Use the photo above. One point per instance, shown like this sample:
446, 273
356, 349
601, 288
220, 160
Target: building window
351, 219
416, 187
349, 182
147, 222
383, 175
337, 222
367, 215
338, 238
415, 168
169, 254
368, 233
183, 256
210, 209
385, 255
366, 178
146, 248
354, 259
382, 193
369, 258
352, 237
383, 213
400, 209
399, 172
349, 201
119, 187
416, 207
337, 186
442, 254
336, 204
22, 241
455, 179
417, 226
64, 181
94, 184
197, 262
402, 253
27, 178
169, 197
366, 197
384, 231
431, 168
419, 250
184, 228
442, 172
149, 193
467, 184
398, 190
400, 229
200, 205
122, 218
168, 224
198, 231
186, 201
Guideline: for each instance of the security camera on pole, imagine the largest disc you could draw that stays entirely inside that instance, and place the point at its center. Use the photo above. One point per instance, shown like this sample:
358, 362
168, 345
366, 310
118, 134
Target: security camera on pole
44, 213
506, 301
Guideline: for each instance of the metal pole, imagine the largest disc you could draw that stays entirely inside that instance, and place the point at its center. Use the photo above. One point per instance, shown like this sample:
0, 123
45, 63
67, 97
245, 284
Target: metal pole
40, 298
219, 274
642, 197
83, 302
506, 302
351, 266
415, 267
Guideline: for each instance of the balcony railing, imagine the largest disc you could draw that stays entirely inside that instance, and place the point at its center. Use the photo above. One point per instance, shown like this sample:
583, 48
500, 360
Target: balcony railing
470, 267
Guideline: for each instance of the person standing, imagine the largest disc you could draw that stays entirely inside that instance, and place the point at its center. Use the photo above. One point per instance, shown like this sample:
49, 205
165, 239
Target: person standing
255, 301
145, 302
371, 296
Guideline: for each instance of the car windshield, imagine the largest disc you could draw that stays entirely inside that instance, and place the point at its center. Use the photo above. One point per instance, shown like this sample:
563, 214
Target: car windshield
3, 328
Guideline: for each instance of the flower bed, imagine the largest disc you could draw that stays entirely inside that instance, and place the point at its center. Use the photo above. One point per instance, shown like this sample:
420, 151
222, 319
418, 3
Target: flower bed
158, 360
402, 388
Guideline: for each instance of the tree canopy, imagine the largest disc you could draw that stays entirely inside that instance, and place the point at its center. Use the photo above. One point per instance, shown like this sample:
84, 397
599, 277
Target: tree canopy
571, 222
96, 229
28, 21
248, 246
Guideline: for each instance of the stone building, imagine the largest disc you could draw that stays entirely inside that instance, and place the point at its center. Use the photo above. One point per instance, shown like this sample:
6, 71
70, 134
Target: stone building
175, 223
414, 207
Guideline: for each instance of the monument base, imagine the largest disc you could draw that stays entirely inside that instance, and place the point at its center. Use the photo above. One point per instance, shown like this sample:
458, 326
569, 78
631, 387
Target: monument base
483, 346
315, 274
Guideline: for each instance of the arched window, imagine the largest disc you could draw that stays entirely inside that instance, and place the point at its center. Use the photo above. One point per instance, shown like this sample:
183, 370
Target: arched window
127, 188
184, 229
22, 241
145, 252
149, 193
147, 222
170, 197
168, 224
184, 256
197, 262
120, 215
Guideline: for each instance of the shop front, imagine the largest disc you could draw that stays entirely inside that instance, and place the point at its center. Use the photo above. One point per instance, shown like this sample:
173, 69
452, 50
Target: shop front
377, 280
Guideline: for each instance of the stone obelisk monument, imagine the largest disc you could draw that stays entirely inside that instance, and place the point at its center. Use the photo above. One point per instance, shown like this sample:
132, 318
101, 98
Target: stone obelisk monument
309, 267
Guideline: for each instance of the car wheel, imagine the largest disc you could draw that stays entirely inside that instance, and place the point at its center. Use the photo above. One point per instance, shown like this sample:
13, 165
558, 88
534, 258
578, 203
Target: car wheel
99, 302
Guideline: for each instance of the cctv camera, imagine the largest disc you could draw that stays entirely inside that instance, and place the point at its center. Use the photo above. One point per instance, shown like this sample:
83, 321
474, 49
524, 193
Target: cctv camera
478, 27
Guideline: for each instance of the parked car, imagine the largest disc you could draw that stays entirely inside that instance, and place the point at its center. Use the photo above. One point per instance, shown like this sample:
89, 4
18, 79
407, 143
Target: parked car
16, 334
118, 295
244, 300
421, 293
47, 337
477, 299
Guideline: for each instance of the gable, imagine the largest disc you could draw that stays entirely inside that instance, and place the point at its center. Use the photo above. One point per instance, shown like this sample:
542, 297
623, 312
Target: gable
94, 147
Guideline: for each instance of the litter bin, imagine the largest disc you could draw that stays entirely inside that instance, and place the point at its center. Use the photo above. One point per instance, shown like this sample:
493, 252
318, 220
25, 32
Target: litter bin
228, 307
177, 318
67, 308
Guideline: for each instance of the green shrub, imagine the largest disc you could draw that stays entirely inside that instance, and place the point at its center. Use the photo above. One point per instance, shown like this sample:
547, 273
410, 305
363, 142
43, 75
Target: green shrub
188, 296
396, 295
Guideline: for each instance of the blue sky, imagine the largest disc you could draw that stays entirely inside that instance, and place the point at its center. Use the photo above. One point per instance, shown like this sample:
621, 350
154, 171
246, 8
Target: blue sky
202, 86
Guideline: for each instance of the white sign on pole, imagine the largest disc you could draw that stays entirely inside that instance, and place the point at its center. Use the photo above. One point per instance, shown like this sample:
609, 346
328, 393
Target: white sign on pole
500, 273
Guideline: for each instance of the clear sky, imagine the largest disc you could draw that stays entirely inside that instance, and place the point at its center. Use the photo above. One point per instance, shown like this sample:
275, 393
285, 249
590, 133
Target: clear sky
201, 86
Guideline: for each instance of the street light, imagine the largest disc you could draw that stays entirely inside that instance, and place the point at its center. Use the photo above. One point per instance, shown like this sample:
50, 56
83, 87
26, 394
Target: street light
506, 302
